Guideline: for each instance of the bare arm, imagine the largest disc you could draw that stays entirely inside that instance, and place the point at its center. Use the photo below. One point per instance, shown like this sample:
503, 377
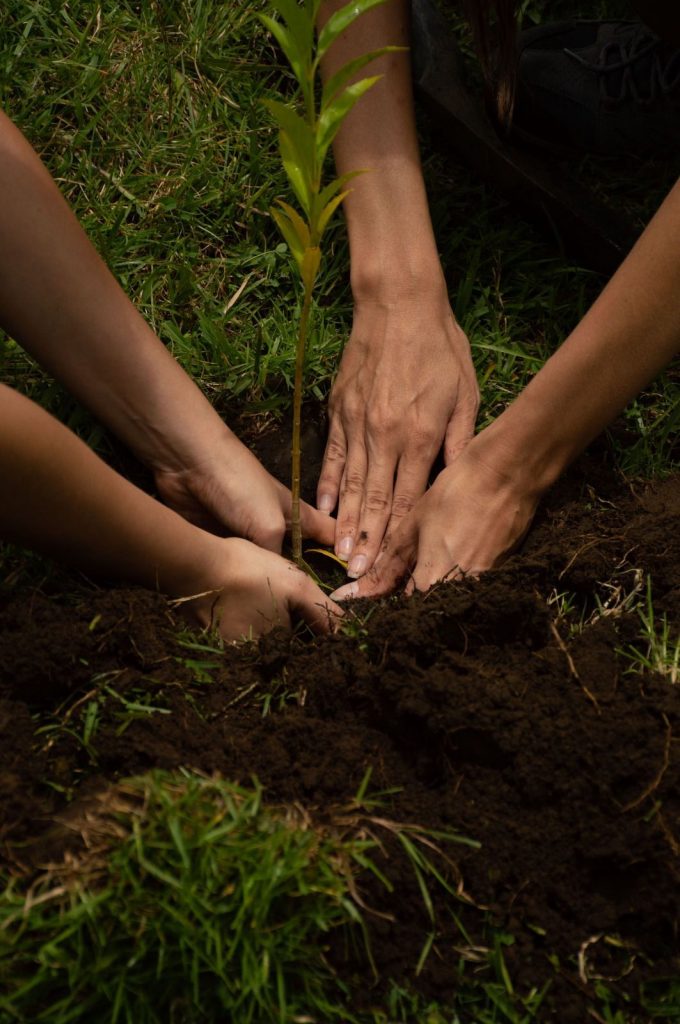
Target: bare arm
479, 508
56, 496
58, 298
406, 382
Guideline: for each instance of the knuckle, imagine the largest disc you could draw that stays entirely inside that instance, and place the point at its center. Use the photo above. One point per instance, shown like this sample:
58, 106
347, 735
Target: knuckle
402, 504
381, 424
424, 439
353, 484
335, 451
376, 501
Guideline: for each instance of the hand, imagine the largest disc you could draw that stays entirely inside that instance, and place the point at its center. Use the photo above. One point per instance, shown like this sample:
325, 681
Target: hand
471, 519
406, 385
261, 590
230, 489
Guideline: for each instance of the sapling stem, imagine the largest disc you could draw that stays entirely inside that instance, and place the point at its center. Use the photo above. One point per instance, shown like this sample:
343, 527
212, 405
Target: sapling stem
303, 328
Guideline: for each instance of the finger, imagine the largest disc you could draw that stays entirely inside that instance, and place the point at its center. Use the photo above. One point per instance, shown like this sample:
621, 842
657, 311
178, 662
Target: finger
332, 467
389, 569
412, 476
460, 431
430, 570
308, 603
317, 525
375, 513
436, 562
351, 497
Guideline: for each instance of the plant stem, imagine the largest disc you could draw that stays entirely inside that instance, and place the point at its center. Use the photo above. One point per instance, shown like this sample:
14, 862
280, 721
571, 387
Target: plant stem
297, 419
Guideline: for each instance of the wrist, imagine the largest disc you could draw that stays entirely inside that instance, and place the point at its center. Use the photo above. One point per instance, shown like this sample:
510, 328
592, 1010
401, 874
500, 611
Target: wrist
393, 251
200, 573
525, 448
181, 448
398, 277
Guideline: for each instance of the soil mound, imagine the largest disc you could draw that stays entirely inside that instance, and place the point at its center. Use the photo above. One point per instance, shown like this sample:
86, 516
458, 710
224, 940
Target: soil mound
502, 708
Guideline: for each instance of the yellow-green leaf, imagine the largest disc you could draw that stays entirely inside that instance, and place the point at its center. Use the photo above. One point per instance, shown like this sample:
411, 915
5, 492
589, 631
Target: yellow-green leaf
286, 228
301, 229
332, 117
328, 211
336, 82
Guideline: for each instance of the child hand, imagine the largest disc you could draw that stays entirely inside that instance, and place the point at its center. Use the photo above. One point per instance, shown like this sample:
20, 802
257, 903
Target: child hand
260, 591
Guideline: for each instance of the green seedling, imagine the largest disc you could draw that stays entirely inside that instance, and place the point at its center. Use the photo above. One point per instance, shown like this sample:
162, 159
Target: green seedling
304, 141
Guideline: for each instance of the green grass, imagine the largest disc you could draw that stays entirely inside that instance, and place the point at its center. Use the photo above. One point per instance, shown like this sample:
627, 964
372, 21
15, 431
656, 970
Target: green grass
149, 117
191, 900
659, 651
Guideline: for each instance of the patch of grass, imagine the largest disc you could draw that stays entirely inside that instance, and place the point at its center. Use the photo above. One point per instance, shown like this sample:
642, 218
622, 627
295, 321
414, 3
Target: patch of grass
149, 117
193, 900
660, 652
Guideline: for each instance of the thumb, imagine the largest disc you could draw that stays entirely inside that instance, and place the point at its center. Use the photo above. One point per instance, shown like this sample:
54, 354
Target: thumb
317, 525
460, 431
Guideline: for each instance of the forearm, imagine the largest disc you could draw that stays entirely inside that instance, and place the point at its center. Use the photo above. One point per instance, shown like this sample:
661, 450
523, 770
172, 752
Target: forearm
59, 300
60, 499
393, 250
631, 332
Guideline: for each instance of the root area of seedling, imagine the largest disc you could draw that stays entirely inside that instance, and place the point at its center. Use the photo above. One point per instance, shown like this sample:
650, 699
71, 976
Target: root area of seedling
507, 709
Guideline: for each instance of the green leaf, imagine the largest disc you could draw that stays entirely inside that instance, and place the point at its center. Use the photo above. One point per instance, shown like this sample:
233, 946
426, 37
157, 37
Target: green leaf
288, 231
342, 19
289, 46
335, 113
299, 181
300, 23
334, 186
328, 212
301, 229
298, 150
341, 77
296, 41
321, 200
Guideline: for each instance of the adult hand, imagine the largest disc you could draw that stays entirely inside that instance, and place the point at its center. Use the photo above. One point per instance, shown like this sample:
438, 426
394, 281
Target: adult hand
229, 489
261, 591
471, 519
406, 385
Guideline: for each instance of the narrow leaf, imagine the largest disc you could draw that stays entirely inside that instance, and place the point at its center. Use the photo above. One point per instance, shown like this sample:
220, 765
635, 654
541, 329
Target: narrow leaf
288, 232
298, 149
301, 229
296, 176
341, 77
334, 114
288, 45
342, 19
336, 185
327, 212
288, 120
299, 21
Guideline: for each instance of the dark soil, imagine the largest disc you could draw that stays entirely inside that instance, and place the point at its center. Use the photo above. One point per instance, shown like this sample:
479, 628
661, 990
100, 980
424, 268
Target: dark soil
476, 701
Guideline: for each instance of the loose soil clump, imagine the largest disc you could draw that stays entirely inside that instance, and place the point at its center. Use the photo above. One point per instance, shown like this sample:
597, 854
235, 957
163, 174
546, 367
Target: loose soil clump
484, 707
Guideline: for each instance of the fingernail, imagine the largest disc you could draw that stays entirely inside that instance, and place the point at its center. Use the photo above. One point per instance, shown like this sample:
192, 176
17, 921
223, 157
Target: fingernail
345, 547
357, 566
325, 504
345, 593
